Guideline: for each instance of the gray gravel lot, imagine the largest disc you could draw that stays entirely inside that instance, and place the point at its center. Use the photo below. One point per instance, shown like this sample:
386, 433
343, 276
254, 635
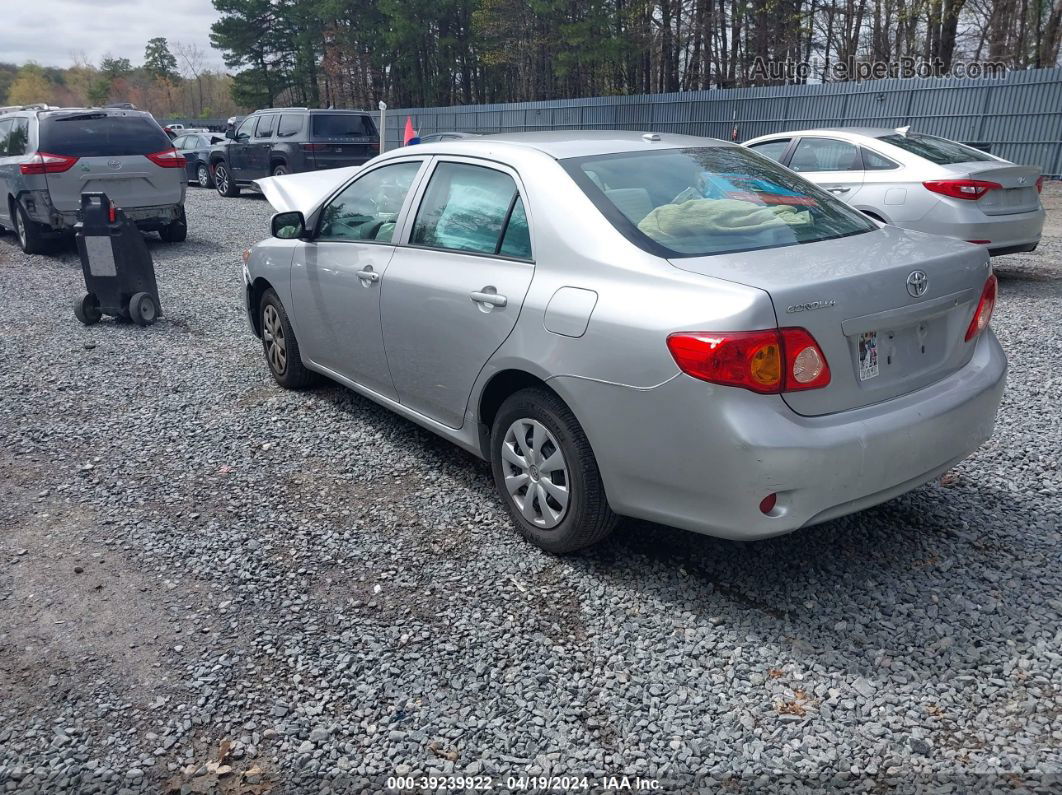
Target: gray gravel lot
210, 584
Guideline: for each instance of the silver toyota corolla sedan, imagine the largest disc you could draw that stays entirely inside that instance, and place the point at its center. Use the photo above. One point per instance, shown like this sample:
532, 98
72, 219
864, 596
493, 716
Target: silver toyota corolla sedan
657, 326
919, 182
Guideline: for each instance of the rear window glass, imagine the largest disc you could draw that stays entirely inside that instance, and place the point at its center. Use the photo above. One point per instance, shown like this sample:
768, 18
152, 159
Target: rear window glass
936, 150
710, 200
290, 123
95, 135
342, 125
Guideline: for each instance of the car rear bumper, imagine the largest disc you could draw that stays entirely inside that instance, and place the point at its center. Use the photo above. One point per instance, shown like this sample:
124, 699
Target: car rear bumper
1017, 232
702, 457
149, 218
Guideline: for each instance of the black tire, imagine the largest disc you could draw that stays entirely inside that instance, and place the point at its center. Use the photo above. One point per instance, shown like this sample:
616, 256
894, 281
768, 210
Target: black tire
203, 176
279, 170
223, 181
87, 310
30, 236
588, 518
283, 359
142, 309
175, 231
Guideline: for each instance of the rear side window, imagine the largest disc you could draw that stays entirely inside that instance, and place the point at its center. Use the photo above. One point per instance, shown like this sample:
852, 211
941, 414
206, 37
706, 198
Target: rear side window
466, 208
6, 126
99, 135
936, 150
872, 161
710, 200
290, 124
18, 140
265, 126
771, 149
824, 154
341, 125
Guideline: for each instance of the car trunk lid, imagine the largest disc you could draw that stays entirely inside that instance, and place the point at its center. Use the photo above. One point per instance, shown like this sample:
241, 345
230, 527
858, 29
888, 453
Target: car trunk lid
880, 339
1019, 194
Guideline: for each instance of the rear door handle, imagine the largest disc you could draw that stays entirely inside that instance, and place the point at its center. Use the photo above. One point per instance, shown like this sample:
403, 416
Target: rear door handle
838, 189
490, 298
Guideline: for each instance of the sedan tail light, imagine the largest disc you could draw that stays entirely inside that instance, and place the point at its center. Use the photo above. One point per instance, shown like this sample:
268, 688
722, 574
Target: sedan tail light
1040, 184
983, 313
45, 163
768, 362
168, 158
972, 189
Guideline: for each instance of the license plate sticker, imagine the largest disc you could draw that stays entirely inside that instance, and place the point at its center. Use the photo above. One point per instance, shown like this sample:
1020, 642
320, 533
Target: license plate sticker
868, 355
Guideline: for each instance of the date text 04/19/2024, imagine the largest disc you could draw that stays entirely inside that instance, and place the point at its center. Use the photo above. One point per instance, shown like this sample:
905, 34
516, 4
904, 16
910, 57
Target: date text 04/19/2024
525, 783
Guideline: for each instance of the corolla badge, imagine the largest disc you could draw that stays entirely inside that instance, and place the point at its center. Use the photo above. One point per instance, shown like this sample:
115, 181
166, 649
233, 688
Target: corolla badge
811, 306
917, 284
115, 164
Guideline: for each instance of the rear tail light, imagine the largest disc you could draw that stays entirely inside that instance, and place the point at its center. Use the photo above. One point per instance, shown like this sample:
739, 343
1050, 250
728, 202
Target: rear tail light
44, 163
983, 315
1040, 184
314, 147
767, 362
972, 189
167, 158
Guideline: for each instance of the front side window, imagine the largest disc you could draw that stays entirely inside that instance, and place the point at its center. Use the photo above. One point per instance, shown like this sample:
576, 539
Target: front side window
936, 150
824, 154
243, 132
465, 208
368, 208
771, 149
710, 200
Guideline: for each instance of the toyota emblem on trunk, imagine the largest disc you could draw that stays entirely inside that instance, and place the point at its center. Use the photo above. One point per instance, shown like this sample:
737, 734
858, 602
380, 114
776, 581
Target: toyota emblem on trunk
917, 284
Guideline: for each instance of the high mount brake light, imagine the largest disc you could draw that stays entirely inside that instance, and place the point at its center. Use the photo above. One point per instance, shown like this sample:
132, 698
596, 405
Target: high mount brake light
983, 314
970, 189
770, 361
45, 163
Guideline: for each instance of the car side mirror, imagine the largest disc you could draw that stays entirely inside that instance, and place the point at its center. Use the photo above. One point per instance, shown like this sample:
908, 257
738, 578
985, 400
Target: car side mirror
288, 226
230, 134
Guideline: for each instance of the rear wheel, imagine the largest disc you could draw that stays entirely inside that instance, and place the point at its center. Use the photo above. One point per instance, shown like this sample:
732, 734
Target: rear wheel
30, 236
280, 170
223, 181
280, 346
202, 176
142, 309
177, 230
545, 472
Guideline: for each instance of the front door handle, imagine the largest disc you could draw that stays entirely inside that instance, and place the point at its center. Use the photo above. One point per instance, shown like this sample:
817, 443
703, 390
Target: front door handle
488, 296
838, 189
368, 275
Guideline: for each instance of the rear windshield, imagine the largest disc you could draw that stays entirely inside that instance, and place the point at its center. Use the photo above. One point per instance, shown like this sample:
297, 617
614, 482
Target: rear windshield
99, 135
710, 200
936, 150
342, 125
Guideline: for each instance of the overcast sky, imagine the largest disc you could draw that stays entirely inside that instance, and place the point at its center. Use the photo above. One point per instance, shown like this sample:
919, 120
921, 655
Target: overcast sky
53, 32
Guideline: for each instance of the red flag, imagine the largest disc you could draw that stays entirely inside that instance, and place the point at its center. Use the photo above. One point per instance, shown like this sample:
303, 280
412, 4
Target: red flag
409, 133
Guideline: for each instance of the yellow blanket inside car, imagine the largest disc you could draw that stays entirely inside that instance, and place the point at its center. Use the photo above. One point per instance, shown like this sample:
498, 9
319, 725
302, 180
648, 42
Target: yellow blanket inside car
696, 217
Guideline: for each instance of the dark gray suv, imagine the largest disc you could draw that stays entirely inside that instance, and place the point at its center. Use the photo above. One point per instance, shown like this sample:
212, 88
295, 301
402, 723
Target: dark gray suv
289, 140
50, 156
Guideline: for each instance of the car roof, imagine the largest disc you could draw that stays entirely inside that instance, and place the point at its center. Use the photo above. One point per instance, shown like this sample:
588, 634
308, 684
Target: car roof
53, 113
562, 144
866, 132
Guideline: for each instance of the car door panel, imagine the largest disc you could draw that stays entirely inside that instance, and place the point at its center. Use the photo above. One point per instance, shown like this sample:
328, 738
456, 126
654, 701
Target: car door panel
449, 302
336, 278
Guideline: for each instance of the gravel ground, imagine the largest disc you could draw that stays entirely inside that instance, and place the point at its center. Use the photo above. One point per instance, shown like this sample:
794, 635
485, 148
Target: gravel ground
210, 584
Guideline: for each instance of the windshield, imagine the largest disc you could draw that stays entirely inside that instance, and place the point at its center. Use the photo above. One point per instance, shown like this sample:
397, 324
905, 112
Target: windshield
100, 135
936, 150
710, 200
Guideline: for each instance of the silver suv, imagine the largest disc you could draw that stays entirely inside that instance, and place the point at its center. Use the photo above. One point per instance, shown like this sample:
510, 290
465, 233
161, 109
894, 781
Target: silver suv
50, 156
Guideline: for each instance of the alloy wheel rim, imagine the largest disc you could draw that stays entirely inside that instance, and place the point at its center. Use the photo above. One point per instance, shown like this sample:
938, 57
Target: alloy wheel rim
273, 337
536, 473
204, 177
20, 229
221, 176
